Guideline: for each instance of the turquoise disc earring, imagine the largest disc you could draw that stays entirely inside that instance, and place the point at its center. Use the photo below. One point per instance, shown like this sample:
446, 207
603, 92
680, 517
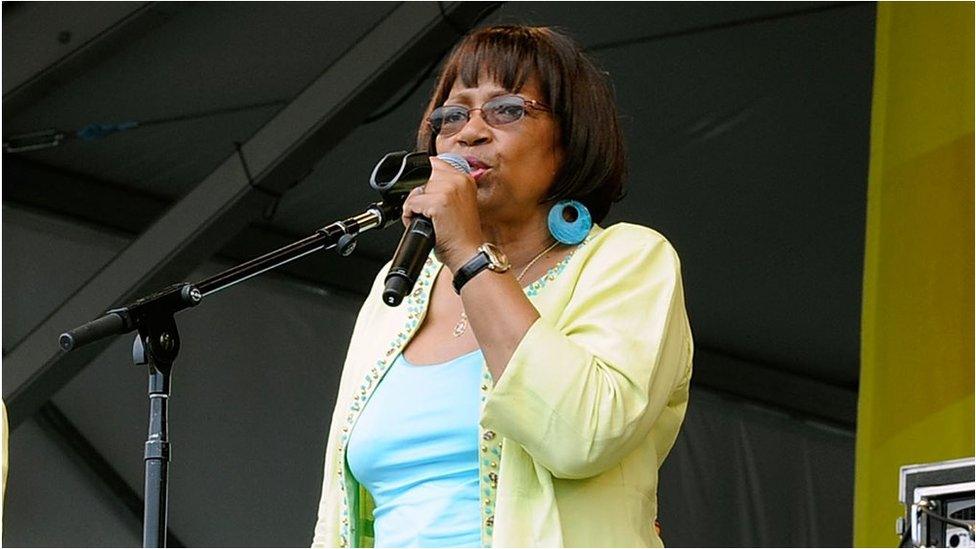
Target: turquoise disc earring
569, 221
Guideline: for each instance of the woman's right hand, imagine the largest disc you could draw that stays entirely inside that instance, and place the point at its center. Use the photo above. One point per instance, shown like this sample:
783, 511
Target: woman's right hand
450, 201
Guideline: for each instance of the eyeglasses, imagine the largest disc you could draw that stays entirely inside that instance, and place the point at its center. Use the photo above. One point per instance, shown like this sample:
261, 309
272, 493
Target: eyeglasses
447, 120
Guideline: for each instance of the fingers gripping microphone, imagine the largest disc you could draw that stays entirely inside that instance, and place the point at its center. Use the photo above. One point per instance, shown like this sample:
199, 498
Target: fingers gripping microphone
415, 245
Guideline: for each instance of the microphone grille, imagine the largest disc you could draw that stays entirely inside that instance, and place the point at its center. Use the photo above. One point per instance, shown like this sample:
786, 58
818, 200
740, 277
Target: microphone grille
457, 161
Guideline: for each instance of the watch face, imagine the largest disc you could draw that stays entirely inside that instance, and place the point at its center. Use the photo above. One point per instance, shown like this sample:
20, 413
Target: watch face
497, 260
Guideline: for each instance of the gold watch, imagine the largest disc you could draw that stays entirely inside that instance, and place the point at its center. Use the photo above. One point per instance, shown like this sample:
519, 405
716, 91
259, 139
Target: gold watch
489, 257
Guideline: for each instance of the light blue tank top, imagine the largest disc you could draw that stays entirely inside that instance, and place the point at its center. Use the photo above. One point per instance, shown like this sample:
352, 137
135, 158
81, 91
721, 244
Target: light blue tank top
415, 448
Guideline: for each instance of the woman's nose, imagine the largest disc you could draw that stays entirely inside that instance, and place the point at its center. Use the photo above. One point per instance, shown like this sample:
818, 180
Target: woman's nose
475, 131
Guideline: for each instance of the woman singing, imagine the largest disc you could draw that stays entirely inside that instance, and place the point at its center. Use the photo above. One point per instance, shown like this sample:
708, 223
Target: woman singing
529, 388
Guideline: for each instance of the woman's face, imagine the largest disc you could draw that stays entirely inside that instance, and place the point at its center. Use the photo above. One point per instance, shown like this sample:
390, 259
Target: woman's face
514, 164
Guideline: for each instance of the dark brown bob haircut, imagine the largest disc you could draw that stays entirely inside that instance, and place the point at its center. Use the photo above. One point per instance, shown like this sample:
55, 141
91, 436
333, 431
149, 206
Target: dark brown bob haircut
580, 95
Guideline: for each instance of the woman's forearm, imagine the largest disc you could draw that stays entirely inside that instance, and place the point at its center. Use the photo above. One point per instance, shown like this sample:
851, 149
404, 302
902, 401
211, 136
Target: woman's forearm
499, 314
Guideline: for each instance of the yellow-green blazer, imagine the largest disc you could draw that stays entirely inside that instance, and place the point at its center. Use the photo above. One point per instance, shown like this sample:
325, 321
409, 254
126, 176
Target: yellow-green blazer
573, 433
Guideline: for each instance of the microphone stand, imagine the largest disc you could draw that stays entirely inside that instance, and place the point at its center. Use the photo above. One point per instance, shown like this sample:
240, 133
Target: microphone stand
158, 341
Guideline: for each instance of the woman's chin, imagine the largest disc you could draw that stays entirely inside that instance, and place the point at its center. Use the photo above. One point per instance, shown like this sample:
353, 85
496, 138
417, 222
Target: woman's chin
486, 200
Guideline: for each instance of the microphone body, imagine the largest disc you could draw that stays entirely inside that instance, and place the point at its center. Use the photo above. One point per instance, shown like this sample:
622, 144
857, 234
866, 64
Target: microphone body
411, 254
415, 245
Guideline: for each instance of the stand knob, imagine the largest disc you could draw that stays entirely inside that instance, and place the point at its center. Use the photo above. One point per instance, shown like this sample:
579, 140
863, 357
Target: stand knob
346, 245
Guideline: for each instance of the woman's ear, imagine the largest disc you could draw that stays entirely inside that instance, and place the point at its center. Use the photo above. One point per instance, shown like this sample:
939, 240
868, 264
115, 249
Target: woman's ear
558, 152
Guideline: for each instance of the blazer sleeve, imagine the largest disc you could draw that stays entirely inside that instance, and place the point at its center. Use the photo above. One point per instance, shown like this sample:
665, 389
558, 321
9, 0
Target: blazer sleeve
584, 389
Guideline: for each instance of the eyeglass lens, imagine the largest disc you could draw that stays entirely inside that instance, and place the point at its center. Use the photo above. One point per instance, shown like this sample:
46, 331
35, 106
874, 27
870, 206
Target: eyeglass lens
449, 119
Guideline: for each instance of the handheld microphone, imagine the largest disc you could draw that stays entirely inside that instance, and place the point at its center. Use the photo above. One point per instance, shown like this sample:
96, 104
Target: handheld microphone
415, 245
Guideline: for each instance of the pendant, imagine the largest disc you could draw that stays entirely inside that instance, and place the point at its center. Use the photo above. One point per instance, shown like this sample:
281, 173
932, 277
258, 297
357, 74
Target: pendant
461, 325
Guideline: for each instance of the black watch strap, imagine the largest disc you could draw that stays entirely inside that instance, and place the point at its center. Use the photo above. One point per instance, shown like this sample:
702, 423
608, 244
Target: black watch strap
477, 264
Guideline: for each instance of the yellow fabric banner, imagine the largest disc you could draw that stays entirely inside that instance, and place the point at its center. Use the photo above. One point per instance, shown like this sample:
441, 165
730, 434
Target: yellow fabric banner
916, 385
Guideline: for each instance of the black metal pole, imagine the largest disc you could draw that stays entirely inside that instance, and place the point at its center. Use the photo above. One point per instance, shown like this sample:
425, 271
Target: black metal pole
157, 347
155, 516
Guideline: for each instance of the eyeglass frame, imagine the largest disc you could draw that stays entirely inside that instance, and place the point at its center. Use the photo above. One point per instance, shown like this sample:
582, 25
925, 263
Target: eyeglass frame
527, 104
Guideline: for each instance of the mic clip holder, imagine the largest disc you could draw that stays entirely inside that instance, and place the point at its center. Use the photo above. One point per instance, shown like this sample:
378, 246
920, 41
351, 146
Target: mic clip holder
398, 173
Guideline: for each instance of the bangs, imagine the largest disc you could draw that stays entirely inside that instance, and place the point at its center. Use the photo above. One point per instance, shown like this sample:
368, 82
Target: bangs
509, 56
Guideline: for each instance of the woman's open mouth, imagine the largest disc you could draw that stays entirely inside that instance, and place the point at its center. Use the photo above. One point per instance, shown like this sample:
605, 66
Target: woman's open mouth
478, 172
478, 168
